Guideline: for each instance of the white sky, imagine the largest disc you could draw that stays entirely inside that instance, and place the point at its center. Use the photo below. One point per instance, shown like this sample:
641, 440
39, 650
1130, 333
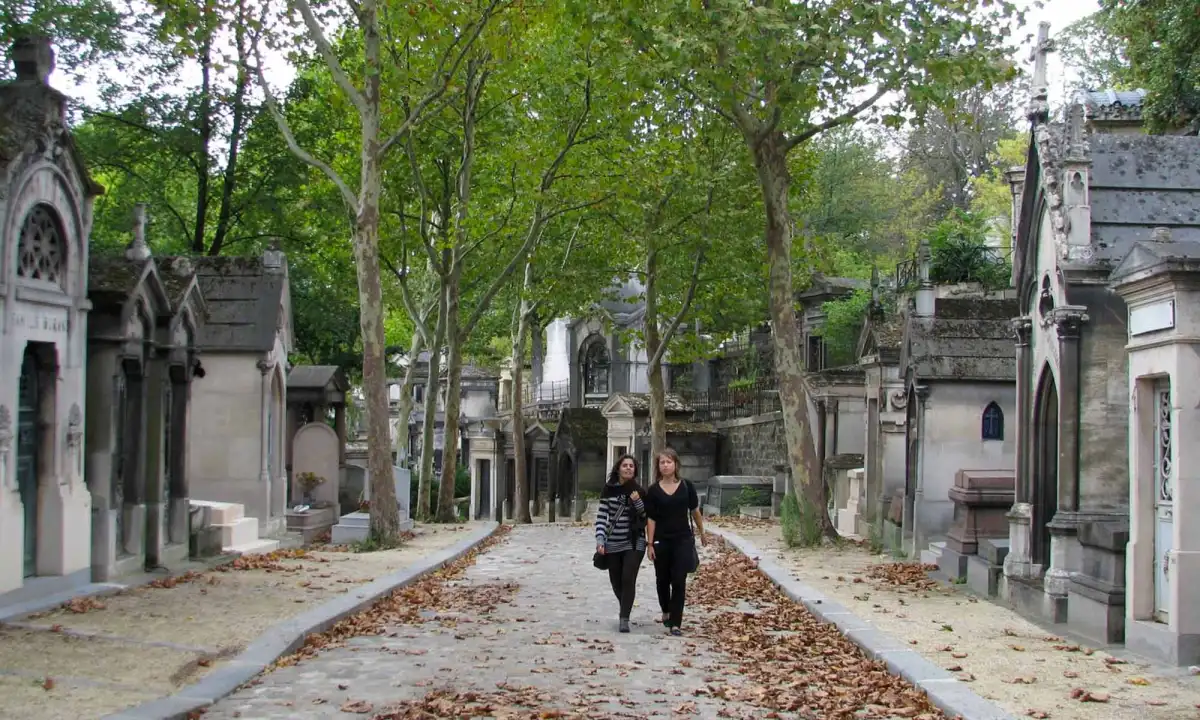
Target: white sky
1059, 13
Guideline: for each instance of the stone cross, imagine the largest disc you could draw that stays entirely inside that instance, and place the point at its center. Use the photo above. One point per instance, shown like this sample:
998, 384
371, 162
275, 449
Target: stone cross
138, 250
1041, 51
33, 59
924, 263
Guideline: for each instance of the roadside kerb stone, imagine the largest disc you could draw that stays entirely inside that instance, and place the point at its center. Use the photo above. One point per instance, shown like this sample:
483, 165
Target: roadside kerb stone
945, 692
289, 635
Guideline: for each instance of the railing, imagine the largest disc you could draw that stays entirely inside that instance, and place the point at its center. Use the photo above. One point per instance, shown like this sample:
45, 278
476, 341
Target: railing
730, 403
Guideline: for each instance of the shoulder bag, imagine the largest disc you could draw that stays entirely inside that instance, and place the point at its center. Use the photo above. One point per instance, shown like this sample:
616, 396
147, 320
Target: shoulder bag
694, 560
599, 559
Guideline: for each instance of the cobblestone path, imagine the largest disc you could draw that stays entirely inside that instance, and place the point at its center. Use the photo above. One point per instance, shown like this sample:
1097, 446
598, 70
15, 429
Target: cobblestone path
552, 636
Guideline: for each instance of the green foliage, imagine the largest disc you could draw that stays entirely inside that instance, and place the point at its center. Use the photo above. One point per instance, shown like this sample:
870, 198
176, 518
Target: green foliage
749, 497
991, 195
800, 522
1093, 53
1159, 40
84, 32
843, 325
958, 245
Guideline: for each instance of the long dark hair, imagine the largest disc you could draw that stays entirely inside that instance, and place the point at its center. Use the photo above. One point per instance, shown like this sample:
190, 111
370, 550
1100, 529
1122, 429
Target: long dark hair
614, 486
670, 453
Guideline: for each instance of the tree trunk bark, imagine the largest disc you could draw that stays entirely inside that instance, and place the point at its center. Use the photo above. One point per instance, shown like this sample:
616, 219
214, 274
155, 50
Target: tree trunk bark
429, 423
454, 363
229, 181
770, 161
520, 512
658, 394
204, 129
385, 512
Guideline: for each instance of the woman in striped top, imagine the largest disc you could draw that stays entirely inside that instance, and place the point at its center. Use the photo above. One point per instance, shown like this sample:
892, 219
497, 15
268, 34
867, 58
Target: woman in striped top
621, 532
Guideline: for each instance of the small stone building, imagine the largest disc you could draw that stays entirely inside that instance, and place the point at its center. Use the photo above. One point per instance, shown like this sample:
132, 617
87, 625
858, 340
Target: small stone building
46, 198
238, 421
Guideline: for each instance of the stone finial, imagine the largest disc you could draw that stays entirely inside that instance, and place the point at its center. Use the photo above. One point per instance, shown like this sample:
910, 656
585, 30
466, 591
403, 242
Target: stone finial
33, 59
273, 257
875, 284
924, 262
138, 250
1161, 235
1077, 149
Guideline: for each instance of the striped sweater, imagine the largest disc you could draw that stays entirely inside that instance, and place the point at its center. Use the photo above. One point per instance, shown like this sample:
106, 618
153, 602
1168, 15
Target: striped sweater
619, 537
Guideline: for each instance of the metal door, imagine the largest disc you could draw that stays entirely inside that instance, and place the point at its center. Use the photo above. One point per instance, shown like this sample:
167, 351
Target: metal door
167, 459
28, 420
1164, 493
116, 493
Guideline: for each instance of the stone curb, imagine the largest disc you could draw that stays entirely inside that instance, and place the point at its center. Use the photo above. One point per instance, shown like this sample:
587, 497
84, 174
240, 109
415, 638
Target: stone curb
287, 636
944, 690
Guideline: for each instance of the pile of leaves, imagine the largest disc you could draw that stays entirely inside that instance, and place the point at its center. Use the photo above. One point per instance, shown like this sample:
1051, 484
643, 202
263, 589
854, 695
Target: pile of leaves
271, 562
406, 605
737, 522
791, 661
509, 702
903, 574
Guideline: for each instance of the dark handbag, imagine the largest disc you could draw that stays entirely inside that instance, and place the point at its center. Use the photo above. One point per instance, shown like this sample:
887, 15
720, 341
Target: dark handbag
694, 557
599, 559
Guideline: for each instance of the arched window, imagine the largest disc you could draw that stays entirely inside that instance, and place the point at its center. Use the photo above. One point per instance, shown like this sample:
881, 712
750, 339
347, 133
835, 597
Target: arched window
42, 249
595, 368
993, 422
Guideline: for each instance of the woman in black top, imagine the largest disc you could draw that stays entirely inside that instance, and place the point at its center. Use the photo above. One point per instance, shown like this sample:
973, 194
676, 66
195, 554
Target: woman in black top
672, 546
620, 533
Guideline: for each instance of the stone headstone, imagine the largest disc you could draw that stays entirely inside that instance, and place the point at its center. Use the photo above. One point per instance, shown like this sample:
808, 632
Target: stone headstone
315, 449
403, 480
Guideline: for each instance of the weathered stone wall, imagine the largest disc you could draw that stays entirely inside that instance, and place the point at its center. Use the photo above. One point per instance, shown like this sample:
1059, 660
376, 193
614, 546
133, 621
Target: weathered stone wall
752, 446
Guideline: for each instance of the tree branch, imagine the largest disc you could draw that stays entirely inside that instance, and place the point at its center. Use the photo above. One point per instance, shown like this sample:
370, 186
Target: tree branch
305, 156
833, 122
317, 35
683, 311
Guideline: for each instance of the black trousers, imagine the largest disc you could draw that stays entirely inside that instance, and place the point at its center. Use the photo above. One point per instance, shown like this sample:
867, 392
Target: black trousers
672, 561
622, 573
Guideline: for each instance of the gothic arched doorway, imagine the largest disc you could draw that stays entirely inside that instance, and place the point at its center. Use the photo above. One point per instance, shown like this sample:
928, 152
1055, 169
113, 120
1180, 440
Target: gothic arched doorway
565, 483
28, 421
1045, 467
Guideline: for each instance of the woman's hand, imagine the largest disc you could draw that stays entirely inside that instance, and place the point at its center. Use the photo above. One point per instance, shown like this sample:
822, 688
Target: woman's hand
633, 496
650, 552
600, 548
703, 539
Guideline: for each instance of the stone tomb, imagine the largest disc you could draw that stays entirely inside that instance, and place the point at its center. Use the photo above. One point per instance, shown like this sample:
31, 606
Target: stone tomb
356, 526
982, 499
46, 200
726, 493
1160, 282
316, 449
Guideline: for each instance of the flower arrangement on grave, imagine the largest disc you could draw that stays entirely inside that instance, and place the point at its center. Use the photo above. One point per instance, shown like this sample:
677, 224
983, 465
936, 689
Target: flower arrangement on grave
364, 506
309, 481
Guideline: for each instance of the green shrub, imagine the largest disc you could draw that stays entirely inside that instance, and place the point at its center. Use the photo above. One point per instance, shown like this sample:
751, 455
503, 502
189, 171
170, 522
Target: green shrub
800, 521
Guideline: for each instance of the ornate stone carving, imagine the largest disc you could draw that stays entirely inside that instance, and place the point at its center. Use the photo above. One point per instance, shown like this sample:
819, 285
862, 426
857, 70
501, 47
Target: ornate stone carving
264, 366
6, 437
1069, 320
1022, 328
74, 427
1049, 141
898, 399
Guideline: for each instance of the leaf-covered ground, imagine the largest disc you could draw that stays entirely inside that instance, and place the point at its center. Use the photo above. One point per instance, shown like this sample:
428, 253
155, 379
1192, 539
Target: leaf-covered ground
527, 629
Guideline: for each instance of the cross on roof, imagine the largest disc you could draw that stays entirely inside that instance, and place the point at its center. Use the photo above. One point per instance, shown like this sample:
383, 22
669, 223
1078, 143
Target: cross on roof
1041, 50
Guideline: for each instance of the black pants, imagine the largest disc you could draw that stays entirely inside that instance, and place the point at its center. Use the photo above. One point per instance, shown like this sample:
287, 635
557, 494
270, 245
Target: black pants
622, 573
672, 562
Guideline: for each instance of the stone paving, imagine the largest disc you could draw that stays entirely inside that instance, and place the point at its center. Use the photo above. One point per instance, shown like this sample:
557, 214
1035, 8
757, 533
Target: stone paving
556, 631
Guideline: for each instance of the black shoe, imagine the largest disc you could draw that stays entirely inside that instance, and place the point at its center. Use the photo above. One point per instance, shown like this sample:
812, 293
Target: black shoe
624, 626
676, 632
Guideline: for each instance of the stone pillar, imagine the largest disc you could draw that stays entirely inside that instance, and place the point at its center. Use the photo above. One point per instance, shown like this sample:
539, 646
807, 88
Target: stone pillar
177, 511
911, 523
263, 513
134, 451
1069, 320
1019, 561
339, 426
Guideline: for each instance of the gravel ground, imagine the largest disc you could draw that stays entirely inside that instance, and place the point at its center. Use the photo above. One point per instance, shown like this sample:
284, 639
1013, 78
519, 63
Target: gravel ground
1007, 659
149, 641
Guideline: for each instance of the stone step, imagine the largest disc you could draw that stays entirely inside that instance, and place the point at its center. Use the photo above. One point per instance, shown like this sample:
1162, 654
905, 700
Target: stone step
222, 513
933, 554
243, 531
255, 547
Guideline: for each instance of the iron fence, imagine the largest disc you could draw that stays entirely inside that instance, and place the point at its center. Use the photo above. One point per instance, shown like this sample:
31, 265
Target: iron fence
734, 401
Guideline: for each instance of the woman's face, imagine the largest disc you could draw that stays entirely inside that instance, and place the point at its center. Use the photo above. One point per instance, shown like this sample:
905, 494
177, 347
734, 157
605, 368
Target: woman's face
666, 466
627, 470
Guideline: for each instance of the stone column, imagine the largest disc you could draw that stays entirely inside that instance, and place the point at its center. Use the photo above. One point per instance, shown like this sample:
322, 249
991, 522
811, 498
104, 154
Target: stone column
1019, 562
913, 526
177, 512
339, 426
1068, 320
134, 480
263, 513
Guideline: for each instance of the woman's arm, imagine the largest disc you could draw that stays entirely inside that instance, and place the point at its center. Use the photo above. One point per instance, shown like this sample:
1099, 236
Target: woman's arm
601, 524
650, 538
699, 518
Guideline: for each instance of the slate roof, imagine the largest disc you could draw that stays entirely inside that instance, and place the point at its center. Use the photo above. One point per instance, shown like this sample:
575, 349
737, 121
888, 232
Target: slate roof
243, 298
824, 285
1112, 105
113, 276
176, 274
1140, 182
316, 377
967, 339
